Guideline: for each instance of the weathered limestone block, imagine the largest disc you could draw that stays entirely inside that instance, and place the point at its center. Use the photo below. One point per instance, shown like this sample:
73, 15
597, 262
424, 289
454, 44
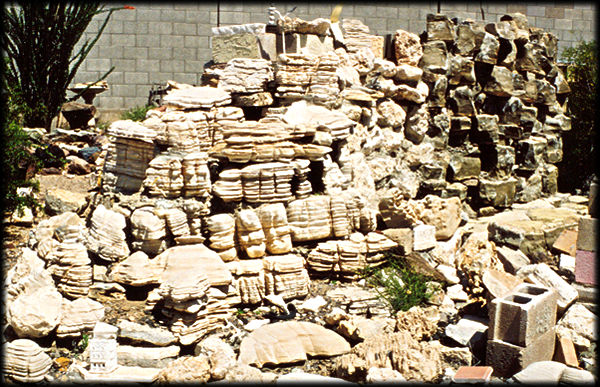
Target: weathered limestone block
474, 257
137, 270
71, 267
464, 167
390, 114
107, 234
196, 176
504, 83
238, 45
221, 228
469, 35
461, 101
310, 218
25, 361
250, 234
399, 351
78, 316
435, 57
541, 274
439, 27
533, 59
197, 97
273, 219
286, 276
461, 70
488, 50
407, 48
246, 75
130, 150
148, 231
579, 325
164, 176
417, 123
288, 342
497, 193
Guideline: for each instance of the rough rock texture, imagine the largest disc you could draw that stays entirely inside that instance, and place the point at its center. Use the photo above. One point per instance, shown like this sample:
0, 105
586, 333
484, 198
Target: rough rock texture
287, 342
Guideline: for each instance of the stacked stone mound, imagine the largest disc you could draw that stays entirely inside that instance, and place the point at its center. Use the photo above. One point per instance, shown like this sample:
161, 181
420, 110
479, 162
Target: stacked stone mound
320, 146
504, 94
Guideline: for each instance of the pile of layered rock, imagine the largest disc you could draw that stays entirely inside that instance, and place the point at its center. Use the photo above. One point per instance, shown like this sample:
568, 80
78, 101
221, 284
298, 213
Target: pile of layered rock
313, 161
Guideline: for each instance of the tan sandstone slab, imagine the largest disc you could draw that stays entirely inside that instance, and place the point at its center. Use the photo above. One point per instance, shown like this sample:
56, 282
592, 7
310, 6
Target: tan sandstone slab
289, 342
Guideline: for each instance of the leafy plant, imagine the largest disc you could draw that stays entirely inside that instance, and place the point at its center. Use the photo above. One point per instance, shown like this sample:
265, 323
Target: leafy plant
82, 343
38, 45
397, 284
137, 113
19, 165
578, 165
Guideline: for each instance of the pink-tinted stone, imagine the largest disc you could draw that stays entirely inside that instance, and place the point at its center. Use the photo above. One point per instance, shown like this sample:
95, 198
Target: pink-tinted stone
585, 267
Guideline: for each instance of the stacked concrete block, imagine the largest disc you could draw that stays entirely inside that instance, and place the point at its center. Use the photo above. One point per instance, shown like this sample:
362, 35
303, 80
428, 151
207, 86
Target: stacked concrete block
521, 329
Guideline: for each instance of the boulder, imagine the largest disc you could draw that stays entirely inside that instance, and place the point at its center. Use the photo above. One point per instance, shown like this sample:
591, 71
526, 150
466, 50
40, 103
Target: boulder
25, 361
288, 342
59, 200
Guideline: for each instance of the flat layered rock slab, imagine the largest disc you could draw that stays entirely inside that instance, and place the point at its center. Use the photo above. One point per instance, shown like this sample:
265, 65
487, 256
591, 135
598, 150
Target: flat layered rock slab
122, 374
290, 342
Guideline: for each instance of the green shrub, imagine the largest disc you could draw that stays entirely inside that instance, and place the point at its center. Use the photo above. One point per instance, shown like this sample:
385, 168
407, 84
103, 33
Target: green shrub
137, 113
39, 49
397, 284
579, 161
19, 166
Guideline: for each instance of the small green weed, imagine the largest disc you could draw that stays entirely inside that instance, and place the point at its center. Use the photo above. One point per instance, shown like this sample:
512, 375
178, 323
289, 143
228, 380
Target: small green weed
400, 286
137, 113
82, 343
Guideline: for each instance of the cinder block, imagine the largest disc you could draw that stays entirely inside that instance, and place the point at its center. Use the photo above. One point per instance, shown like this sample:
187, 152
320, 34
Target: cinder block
522, 316
508, 359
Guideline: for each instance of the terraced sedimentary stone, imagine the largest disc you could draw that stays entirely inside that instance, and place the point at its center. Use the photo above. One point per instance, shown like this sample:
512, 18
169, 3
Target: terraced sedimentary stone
164, 176
137, 270
221, 229
148, 231
107, 236
78, 316
130, 150
71, 267
310, 218
37, 308
273, 219
246, 75
140, 333
197, 97
189, 293
176, 221
250, 234
286, 276
25, 361
196, 176
289, 342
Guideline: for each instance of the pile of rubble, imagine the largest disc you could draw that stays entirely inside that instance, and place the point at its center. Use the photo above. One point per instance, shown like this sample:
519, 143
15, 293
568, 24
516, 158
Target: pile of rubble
307, 154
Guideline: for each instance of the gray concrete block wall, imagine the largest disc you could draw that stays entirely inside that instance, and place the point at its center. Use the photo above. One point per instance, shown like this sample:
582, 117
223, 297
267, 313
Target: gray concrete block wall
154, 42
